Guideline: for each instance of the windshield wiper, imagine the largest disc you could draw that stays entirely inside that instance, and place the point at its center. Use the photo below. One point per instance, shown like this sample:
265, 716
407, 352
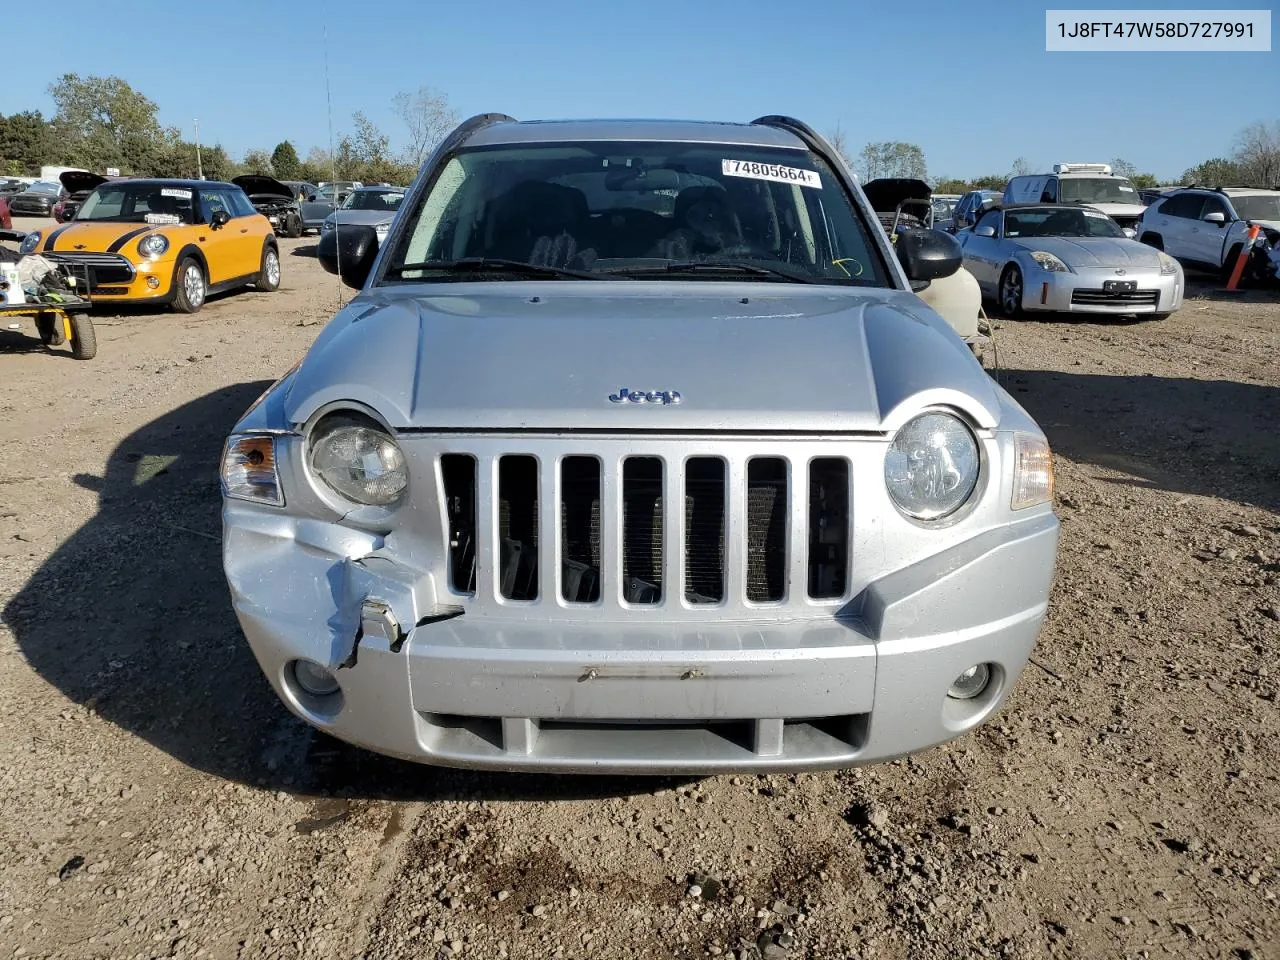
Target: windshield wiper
495, 265
717, 266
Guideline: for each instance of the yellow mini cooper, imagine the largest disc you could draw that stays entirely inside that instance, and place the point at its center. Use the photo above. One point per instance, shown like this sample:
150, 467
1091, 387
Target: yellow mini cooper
171, 242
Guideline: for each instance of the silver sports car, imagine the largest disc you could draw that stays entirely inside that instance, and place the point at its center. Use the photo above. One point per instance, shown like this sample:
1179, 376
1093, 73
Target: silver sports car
636, 452
1069, 259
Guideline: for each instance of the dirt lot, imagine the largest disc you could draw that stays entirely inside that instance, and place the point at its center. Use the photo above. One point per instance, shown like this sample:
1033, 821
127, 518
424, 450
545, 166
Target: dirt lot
157, 801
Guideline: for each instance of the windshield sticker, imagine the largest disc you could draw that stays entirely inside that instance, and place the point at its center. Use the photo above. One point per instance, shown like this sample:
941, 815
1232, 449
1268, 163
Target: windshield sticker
168, 218
1124, 189
770, 171
175, 192
1094, 215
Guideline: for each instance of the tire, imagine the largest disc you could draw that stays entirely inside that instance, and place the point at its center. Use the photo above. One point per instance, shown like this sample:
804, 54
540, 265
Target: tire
1152, 240
1230, 264
1010, 292
268, 280
293, 226
84, 339
190, 286
50, 330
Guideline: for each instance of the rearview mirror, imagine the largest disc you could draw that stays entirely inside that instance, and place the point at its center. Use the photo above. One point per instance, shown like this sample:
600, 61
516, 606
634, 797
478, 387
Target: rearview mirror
928, 254
1217, 216
986, 230
348, 251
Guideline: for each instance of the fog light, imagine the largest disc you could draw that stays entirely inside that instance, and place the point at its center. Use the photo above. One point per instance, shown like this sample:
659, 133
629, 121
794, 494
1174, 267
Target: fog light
970, 683
314, 679
153, 282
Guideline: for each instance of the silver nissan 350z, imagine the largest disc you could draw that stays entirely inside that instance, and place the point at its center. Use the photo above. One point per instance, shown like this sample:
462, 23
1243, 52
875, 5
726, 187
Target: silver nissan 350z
638, 452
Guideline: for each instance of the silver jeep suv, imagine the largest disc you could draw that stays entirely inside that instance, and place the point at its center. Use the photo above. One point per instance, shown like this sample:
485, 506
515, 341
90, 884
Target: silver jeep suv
638, 452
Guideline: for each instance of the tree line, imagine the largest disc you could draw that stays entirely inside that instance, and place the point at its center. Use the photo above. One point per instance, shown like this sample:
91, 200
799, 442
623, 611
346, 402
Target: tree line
103, 122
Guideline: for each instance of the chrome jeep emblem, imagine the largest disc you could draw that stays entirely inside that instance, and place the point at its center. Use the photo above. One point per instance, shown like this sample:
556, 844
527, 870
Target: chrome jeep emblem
627, 395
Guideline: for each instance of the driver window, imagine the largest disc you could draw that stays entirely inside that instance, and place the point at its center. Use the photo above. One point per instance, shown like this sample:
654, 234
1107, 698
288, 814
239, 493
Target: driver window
991, 219
1214, 205
213, 201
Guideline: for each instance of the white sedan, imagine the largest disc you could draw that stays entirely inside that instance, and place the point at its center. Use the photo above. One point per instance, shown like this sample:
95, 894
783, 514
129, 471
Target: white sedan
1068, 259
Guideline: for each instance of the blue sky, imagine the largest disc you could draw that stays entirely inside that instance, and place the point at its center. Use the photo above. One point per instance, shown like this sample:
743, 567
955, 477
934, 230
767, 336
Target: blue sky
969, 82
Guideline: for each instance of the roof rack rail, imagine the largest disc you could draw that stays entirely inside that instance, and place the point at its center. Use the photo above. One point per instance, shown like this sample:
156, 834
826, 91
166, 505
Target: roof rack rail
464, 130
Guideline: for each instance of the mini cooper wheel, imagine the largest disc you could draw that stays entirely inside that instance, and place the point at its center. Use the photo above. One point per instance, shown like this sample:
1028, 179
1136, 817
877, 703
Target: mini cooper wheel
190, 286
269, 273
1011, 292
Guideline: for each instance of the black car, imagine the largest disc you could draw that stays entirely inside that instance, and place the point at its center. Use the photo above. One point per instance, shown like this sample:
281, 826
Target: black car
38, 199
276, 201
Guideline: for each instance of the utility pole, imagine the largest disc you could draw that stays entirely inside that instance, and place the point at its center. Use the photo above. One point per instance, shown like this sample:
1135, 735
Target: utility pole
199, 167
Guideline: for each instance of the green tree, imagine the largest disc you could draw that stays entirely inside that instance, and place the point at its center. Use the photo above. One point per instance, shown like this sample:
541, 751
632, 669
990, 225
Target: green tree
991, 181
892, 158
107, 123
257, 162
26, 142
1212, 173
284, 161
1144, 181
317, 167
951, 185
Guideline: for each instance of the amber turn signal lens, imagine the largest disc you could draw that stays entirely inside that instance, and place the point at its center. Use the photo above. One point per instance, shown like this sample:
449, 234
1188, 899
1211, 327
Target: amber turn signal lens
1032, 472
249, 470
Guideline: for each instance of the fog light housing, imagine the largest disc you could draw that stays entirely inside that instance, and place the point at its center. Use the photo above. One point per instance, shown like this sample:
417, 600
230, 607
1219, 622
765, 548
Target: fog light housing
153, 283
314, 679
971, 683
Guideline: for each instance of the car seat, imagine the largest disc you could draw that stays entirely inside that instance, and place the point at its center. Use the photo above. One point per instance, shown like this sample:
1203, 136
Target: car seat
705, 223
537, 222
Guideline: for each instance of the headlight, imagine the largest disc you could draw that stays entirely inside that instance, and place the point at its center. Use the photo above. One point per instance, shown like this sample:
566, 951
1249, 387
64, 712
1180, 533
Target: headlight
358, 460
1168, 265
153, 245
931, 468
249, 470
1032, 472
1048, 261
30, 242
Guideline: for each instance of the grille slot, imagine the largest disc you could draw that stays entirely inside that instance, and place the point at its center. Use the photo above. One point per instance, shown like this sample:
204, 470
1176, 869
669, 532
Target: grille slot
642, 530
580, 529
766, 529
458, 472
704, 516
518, 526
828, 527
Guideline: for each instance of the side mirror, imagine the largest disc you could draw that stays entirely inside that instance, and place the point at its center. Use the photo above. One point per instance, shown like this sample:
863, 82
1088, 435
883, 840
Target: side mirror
348, 250
928, 254
986, 230
1131, 233
219, 219
1216, 216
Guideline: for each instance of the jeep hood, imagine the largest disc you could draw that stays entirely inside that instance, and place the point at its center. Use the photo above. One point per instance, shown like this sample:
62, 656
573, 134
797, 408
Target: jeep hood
549, 355
262, 186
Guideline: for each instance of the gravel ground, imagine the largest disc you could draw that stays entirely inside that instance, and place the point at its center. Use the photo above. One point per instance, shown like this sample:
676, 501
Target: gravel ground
157, 801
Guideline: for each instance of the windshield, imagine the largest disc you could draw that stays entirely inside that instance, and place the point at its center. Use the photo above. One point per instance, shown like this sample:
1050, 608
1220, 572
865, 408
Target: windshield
1260, 207
1059, 222
45, 186
139, 203
643, 209
373, 200
1096, 190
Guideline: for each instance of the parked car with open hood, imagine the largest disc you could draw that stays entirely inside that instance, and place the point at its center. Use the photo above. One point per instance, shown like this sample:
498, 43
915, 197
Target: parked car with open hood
1207, 227
78, 184
38, 199
275, 200
1068, 259
367, 206
168, 242
637, 452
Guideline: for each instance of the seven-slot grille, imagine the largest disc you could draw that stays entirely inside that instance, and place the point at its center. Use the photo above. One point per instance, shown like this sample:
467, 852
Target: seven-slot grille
1116, 298
616, 537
